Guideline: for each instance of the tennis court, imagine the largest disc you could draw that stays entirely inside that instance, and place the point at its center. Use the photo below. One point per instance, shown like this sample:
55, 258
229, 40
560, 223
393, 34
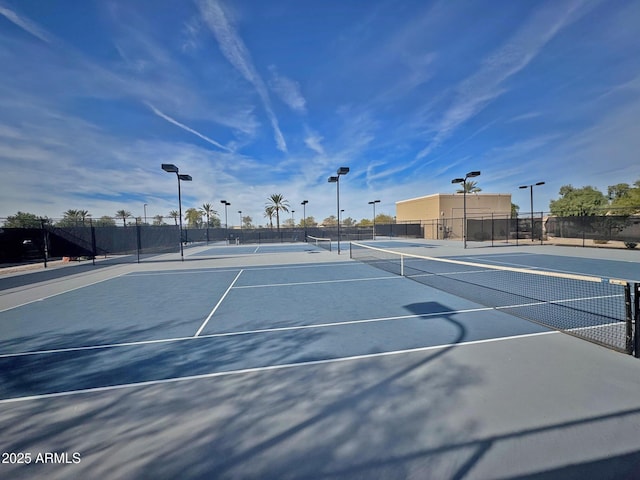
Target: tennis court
291, 361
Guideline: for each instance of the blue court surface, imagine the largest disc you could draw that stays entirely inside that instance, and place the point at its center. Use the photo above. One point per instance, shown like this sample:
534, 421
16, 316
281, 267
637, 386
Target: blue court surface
287, 361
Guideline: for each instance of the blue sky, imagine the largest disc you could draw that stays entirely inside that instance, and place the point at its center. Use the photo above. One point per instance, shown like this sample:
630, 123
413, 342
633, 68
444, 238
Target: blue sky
253, 98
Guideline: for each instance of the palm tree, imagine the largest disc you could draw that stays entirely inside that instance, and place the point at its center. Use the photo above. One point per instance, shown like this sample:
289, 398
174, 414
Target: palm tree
208, 210
269, 212
123, 214
175, 215
278, 203
193, 217
469, 187
72, 217
83, 214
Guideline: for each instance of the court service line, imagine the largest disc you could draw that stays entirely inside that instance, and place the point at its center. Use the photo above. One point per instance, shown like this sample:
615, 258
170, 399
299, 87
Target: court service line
204, 324
243, 332
267, 368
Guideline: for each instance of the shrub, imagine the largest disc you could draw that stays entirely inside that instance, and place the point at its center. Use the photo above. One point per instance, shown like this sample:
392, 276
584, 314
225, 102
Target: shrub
630, 244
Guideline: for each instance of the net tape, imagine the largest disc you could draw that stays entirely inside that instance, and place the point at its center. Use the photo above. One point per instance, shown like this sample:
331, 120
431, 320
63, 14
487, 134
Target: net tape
593, 308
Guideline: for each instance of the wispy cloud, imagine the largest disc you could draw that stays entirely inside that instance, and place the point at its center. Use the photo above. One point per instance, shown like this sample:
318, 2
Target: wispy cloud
313, 141
184, 127
25, 24
487, 84
236, 52
288, 90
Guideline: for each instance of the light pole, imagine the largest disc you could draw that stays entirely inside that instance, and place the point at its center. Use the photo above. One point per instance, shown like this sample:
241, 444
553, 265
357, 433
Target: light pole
336, 179
374, 216
226, 226
240, 212
171, 168
464, 203
304, 217
530, 187
145, 213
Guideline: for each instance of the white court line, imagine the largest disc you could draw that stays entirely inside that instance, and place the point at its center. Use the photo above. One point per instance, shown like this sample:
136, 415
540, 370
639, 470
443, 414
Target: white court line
266, 368
242, 332
204, 324
267, 285
285, 267
248, 269
61, 293
181, 272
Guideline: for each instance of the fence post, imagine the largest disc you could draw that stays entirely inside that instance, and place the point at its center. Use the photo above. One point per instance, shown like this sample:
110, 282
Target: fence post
45, 242
94, 250
138, 246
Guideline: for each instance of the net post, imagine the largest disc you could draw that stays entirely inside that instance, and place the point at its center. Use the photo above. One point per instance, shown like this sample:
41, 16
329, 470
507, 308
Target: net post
401, 265
636, 307
350, 252
629, 319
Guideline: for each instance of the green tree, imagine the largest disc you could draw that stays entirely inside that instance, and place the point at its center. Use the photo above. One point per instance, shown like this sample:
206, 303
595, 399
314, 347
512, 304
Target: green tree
105, 221
123, 214
72, 218
279, 204
22, 220
348, 222
469, 187
625, 199
193, 217
383, 218
175, 215
247, 222
158, 220
330, 221
578, 201
515, 209
309, 222
365, 222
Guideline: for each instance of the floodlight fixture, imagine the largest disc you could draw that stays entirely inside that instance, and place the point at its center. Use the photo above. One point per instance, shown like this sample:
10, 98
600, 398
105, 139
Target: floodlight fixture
474, 173
530, 187
169, 167
336, 179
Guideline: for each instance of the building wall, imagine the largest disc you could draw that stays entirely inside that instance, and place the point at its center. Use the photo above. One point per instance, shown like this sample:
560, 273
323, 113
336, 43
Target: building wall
442, 214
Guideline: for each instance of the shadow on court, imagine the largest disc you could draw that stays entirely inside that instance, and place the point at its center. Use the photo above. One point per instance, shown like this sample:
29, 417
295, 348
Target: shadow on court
391, 416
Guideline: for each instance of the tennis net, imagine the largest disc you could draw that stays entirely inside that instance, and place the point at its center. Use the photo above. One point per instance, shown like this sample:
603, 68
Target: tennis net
593, 308
320, 242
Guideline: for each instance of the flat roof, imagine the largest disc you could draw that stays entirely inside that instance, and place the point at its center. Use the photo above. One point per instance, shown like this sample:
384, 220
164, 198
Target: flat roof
454, 195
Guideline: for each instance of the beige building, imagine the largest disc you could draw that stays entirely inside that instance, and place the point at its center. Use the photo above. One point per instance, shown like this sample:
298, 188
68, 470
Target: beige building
441, 214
